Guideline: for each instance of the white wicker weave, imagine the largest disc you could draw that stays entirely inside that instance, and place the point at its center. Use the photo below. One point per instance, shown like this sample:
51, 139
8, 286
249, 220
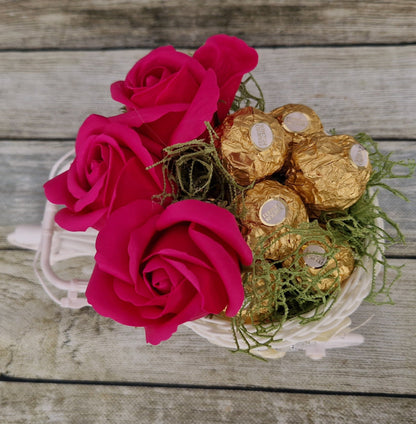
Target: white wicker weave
333, 330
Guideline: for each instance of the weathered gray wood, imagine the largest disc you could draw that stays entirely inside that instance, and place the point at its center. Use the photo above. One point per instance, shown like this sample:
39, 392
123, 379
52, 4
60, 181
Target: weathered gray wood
24, 168
25, 165
400, 211
145, 23
38, 339
49, 94
67, 404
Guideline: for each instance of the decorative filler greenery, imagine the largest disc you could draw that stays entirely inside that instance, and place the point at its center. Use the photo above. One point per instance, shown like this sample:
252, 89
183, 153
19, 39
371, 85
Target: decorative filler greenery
195, 169
360, 221
280, 290
276, 291
245, 97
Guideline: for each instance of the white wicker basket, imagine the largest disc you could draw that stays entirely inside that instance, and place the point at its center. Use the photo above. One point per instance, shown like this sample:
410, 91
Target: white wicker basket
53, 244
331, 331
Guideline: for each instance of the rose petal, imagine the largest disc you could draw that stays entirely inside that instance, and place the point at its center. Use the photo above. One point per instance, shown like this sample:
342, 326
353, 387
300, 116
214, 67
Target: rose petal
121, 93
227, 56
188, 78
119, 230
152, 271
177, 271
158, 332
201, 110
89, 196
176, 238
228, 292
101, 296
135, 182
165, 56
56, 190
220, 221
89, 129
147, 306
180, 254
138, 117
143, 97
140, 238
162, 280
71, 221
137, 78
230, 58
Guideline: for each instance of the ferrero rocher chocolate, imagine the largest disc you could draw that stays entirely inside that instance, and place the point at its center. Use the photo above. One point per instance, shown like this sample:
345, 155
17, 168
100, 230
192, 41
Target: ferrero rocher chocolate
318, 262
268, 208
252, 145
298, 119
260, 307
329, 172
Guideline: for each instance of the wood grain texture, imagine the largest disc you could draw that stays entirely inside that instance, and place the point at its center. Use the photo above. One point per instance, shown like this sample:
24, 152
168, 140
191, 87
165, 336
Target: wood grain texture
351, 89
67, 404
39, 339
145, 23
24, 168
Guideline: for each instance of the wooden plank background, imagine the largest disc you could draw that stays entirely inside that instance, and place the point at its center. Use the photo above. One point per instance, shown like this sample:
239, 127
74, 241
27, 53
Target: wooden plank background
354, 62
97, 24
68, 86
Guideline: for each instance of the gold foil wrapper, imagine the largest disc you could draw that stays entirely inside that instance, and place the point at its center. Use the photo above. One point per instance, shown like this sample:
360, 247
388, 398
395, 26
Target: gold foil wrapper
253, 145
318, 262
298, 120
329, 172
266, 211
342, 264
260, 308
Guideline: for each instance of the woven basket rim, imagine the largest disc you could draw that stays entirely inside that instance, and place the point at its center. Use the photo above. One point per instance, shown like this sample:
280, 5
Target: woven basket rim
218, 330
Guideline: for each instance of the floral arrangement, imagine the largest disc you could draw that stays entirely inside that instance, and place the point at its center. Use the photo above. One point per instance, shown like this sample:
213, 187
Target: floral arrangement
172, 245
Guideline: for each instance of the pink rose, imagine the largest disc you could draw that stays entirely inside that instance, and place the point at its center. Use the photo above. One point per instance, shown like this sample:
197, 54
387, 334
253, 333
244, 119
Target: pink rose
191, 89
108, 172
158, 268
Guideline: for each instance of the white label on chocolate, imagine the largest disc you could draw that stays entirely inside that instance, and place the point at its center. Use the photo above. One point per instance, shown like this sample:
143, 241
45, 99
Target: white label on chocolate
273, 212
314, 256
296, 122
359, 155
261, 135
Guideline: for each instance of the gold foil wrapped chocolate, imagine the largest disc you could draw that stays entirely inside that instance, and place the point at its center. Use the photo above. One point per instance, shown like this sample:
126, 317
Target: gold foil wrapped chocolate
333, 268
298, 120
260, 307
329, 172
267, 211
252, 145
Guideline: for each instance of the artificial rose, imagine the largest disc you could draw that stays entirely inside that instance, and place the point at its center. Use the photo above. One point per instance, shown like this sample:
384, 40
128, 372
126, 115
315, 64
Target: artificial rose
158, 268
109, 171
191, 89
